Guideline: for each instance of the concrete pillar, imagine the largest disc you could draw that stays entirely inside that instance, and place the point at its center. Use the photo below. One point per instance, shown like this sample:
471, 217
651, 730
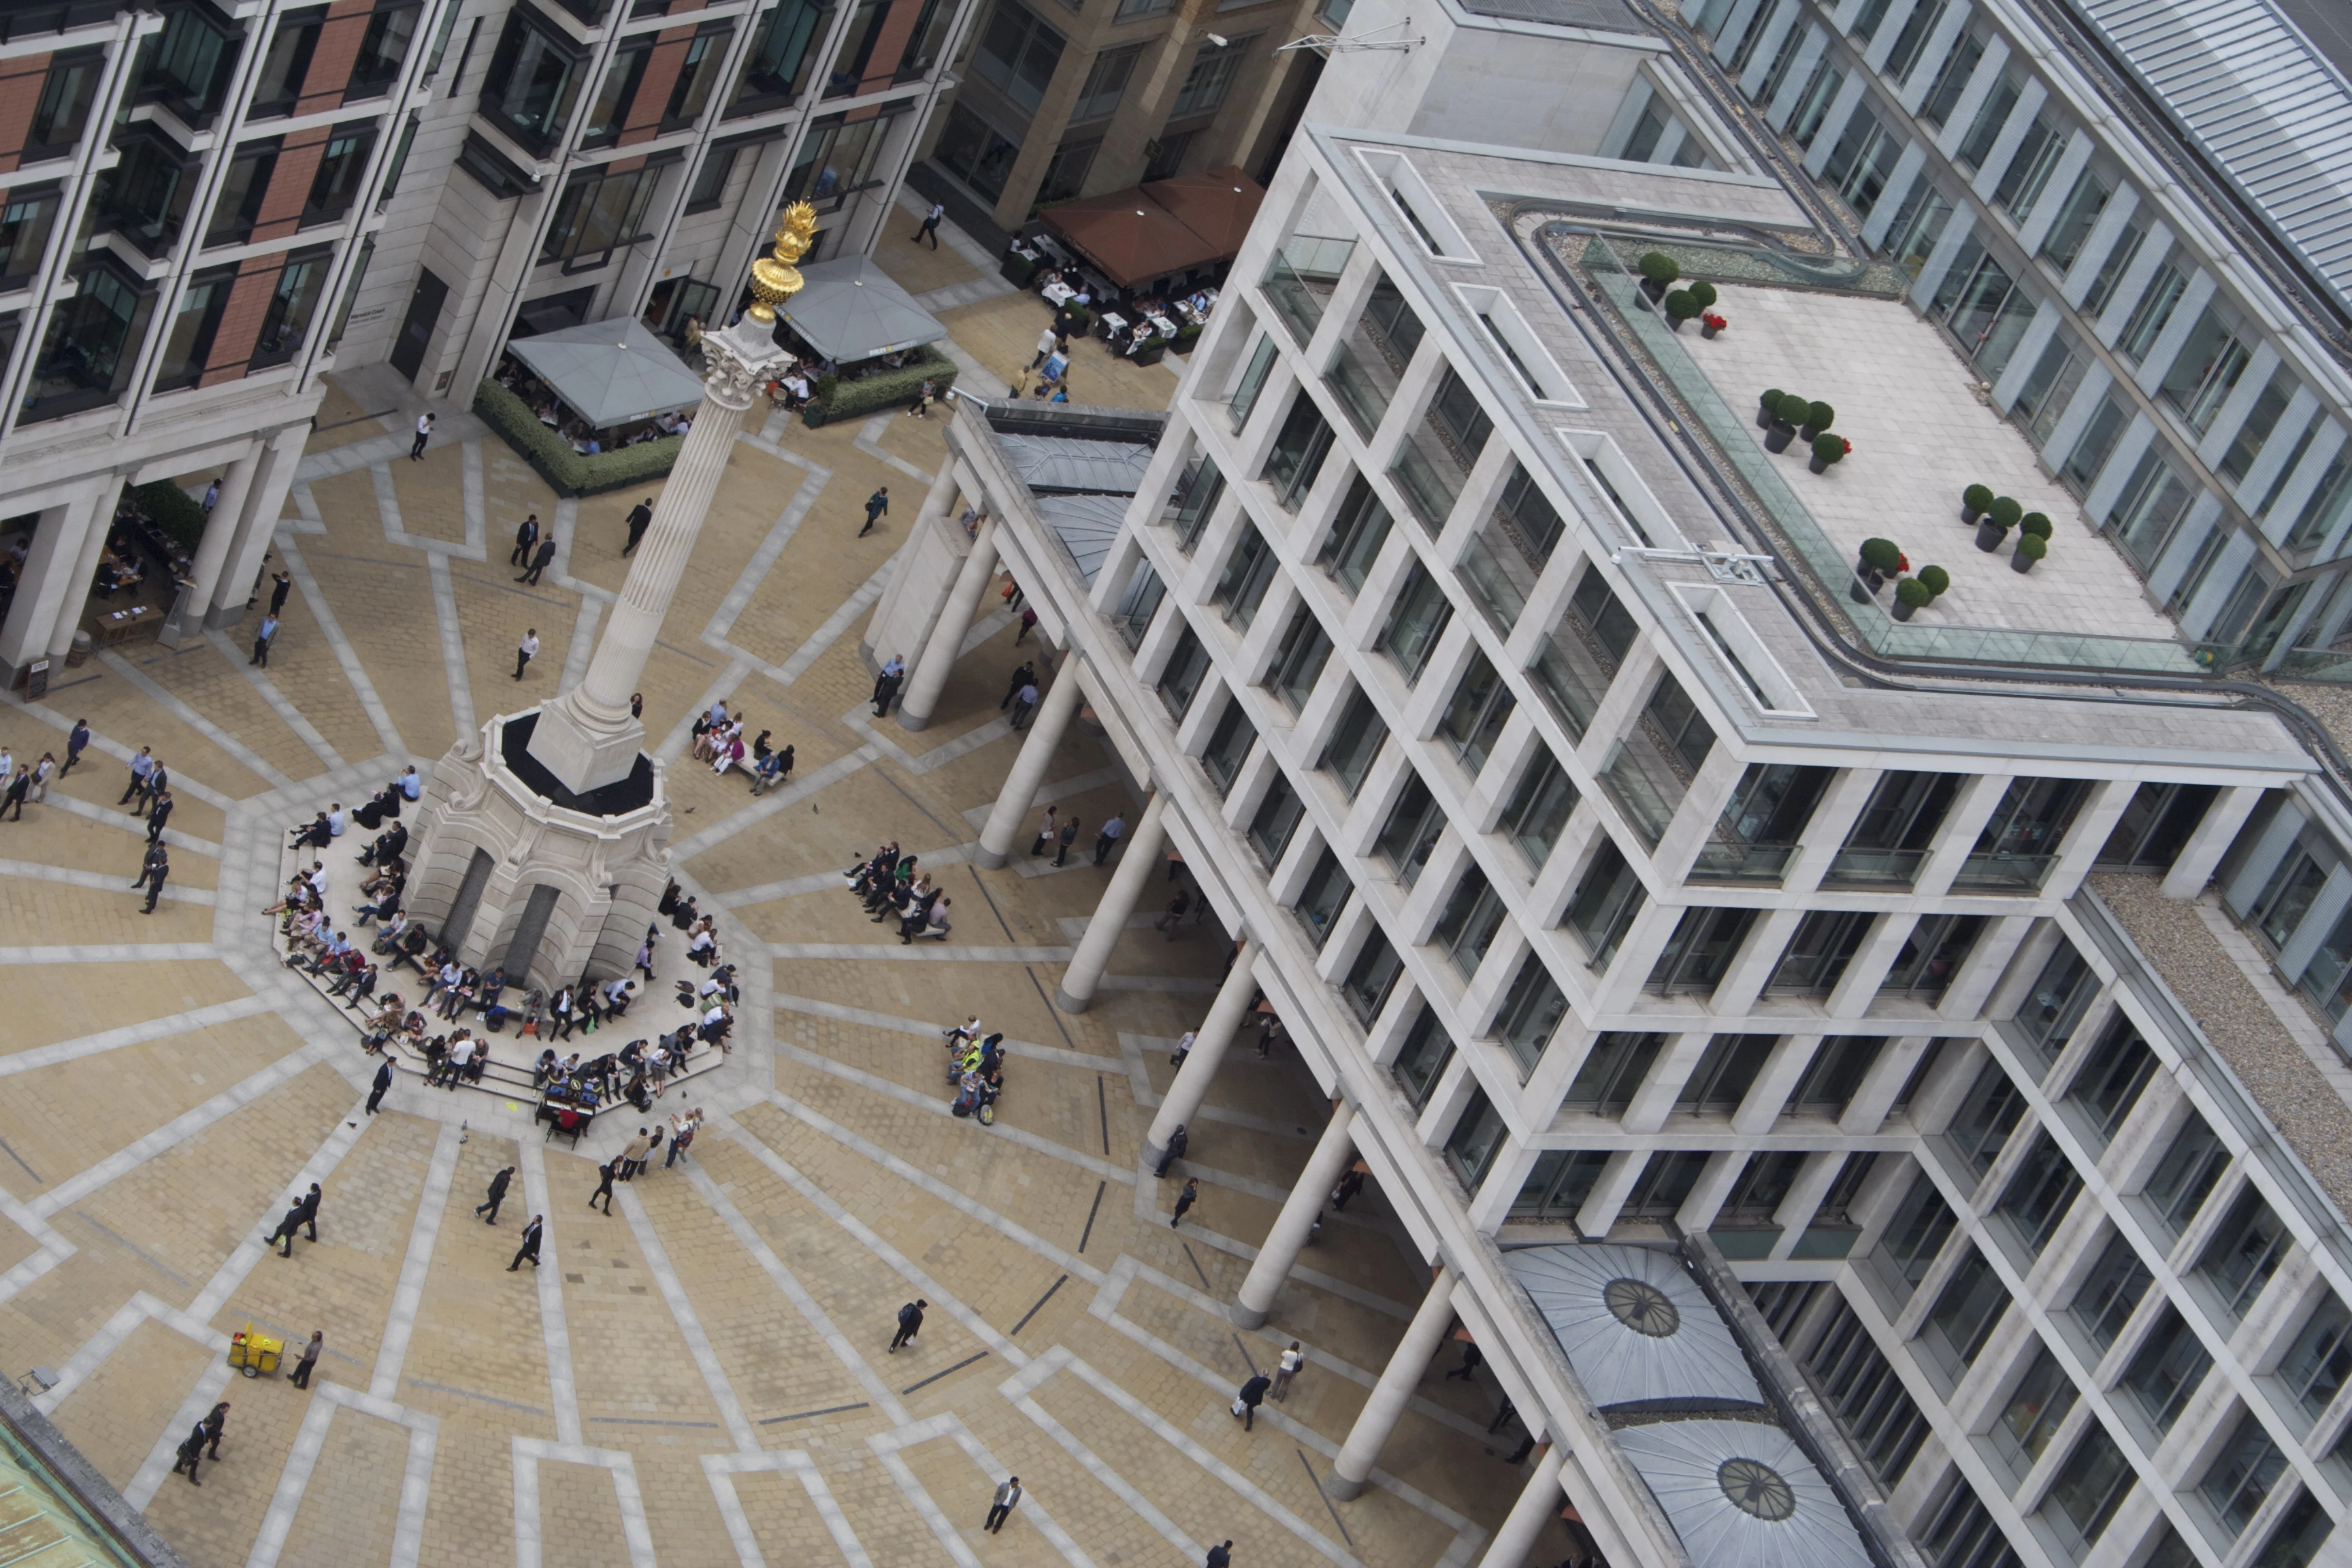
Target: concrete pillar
211, 552
1394, 1391
1210, 1042
1008, 817
41, 586
79, 580
1332, 1152
265, 502
2193, 866
929, 677
586, 738
1118, 899
1538, 1504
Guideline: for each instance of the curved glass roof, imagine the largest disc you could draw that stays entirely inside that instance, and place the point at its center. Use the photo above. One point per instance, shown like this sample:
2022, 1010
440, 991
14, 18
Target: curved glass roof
1742, 1492
1634, 1324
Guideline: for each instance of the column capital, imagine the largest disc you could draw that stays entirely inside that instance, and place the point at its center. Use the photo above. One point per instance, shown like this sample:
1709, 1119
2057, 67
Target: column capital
737, 362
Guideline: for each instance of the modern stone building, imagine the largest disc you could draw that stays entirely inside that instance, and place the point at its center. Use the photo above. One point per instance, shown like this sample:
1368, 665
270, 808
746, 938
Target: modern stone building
1955, 987
209, 206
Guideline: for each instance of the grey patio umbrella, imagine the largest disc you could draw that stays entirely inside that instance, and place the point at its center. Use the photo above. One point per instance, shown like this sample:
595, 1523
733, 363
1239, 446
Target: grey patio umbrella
610, 372
848, 309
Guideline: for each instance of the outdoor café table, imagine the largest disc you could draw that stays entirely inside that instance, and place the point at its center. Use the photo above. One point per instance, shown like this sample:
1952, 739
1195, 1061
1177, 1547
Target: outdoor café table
1167, 328
1113, 324
1055, 293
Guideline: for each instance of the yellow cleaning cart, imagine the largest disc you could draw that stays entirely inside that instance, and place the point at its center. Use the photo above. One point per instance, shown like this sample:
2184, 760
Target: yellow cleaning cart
255, 1353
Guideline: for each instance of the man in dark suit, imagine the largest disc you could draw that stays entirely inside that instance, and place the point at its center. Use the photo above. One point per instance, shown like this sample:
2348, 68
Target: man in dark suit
640, 520
529, 1248
539, 562
383, 1086
158, 814
305, 1211
498, 1193
525, 537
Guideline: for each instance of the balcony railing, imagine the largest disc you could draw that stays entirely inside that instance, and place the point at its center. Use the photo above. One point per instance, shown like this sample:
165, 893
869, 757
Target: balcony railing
1429, 492
1489, 582
1876, 868
1997, 872
1301, 277
1644, 788
1363, 396
1573, 699
1728, 860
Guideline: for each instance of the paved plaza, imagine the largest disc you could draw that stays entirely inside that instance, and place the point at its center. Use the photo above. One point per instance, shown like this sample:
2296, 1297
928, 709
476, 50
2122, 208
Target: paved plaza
700, 1378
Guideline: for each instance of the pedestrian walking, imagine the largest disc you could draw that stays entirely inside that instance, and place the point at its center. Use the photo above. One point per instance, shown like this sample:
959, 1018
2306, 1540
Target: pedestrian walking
930, 229
154, 873
1108, 839
1069, 836
604, 1173
284, 583
44, 772
383, 1086
157, 815
633, 1157
20, 785
1024, 676
525, 537
886, 685
1046, 831
497, 1194
1000, 1508
910, 1322
1252, 1394
76, 742
288, 1226
1025, 703
1350, 1185
640, 518
215, 1424
1184, 1043
1185, 1200
529, 1248
526, 650
1220, 1556
212, 496
1169, 922
424, 434
1468, 1370
1177, 1142
876, 505
544, 557
142, 767
262, 637
190, 1452
1286, 1369
308, 1359
1028, 625
1046, 347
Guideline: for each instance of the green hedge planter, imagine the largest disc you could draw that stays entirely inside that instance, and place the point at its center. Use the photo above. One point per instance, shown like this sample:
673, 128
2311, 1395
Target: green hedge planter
890, 389
170, 510
551, 456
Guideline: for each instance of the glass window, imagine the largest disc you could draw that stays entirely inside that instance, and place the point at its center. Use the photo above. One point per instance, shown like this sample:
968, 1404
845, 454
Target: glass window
2026, 827
2097, 442
1323, 895
975, 152
2044, 1397
1606, 901
698, 77
1277, 816
189, 340
63, 109
1181, 677
2288, 898
86, 357
2244, 1252
1985, 1118
242, 191
2089, 1488
2154, 312
1371, 977
1664, 1184
1106, 82
1869, 1400
1911, 40
2057, 375
1299, 661
1229, 746
2030, 168
144, 199
2171, 1363
1538, 809
598, 214
188, 65
923, 45
2315, 1367
2072, 226
1916, 1234
1478, 1136
1919, 225
1249, 570
1415, 622
2111, 1293
2153, 501
1017, 54
710, 179
1141, 603
1467, 924
1951, 80
28, 214
2243, 1473
2206, 370
1700, 952
1725, 1072
2040, 1191
2255, 433
1891, 838
1756, 836
2318, 518
1197, 494
1355, 742
384, 48
1358, 531
857, 42
776, 71
1562, 1179
1985, 130
340, 168
1531, 1010
1299, 448
2302, 1529
2120, 255
1816, 957
1410, 830
1214, 66
1835, 1075
1474, 719
293, 307
1965, 1313
1421, 1061
1931, 955
2060, 994
534, 83
2109, 1082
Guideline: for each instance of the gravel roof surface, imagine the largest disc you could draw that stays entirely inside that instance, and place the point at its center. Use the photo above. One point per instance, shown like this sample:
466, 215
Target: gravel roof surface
2243, 1031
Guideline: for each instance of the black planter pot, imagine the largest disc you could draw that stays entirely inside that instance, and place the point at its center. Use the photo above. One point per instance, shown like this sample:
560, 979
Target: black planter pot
1989, 536
1807, 432
1778, 441
2019, 560
1816, 465
1904, 612
1704, 330
1865, 584
1653, 291
1674, 324
1763, 417
1968, 513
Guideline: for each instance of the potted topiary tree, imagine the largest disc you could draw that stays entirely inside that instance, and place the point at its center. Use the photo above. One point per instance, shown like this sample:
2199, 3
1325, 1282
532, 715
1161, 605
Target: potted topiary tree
1911, 596
1704, 293
1785, 415
2035, 523
1680, 307
2030, 548
1658, 271
1768, 408
1817, 418
1998, 519
1880, 559
1973, 500
1935, 580
1828, 448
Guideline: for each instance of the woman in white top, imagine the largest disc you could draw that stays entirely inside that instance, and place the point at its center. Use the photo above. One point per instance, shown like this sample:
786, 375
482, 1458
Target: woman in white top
1286, 1369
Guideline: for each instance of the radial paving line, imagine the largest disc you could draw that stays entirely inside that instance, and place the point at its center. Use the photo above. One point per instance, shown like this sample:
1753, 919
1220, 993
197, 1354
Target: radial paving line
415, 1484
766, 805
860, 718
99, 881
246, 755
477, 496
689, 1324
304, 730
112, 953
400, 1326
779, 533
133, 1034
453, 644
563, 1393
123, 821
354, 668
530, 1452
833, 628
1018, 1389
1082, 1060
723, 1467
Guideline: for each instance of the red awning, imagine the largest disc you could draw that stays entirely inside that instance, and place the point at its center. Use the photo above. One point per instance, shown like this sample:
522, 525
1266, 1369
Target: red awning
1217, 206
1128, 235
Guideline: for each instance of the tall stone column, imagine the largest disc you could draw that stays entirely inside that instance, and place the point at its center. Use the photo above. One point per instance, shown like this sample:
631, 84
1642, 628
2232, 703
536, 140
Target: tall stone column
211, 552
1394, 1391
265, 501
41, 586
1209, 1043
1538, 1504
931, 674
1046, 728
1118, 900
79, 581
1275, 1255
587, 737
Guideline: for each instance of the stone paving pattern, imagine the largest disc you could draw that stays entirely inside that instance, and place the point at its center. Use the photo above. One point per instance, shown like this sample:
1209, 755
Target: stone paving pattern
700, 1378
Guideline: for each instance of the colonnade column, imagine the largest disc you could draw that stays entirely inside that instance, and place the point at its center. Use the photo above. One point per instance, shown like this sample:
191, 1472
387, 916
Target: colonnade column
1280, 1248
41, 584
252, 533
1210, 1042
1127, 878
1046, 728
931, 673
1394, 1391
75, 597
221, 526
1538, 1504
